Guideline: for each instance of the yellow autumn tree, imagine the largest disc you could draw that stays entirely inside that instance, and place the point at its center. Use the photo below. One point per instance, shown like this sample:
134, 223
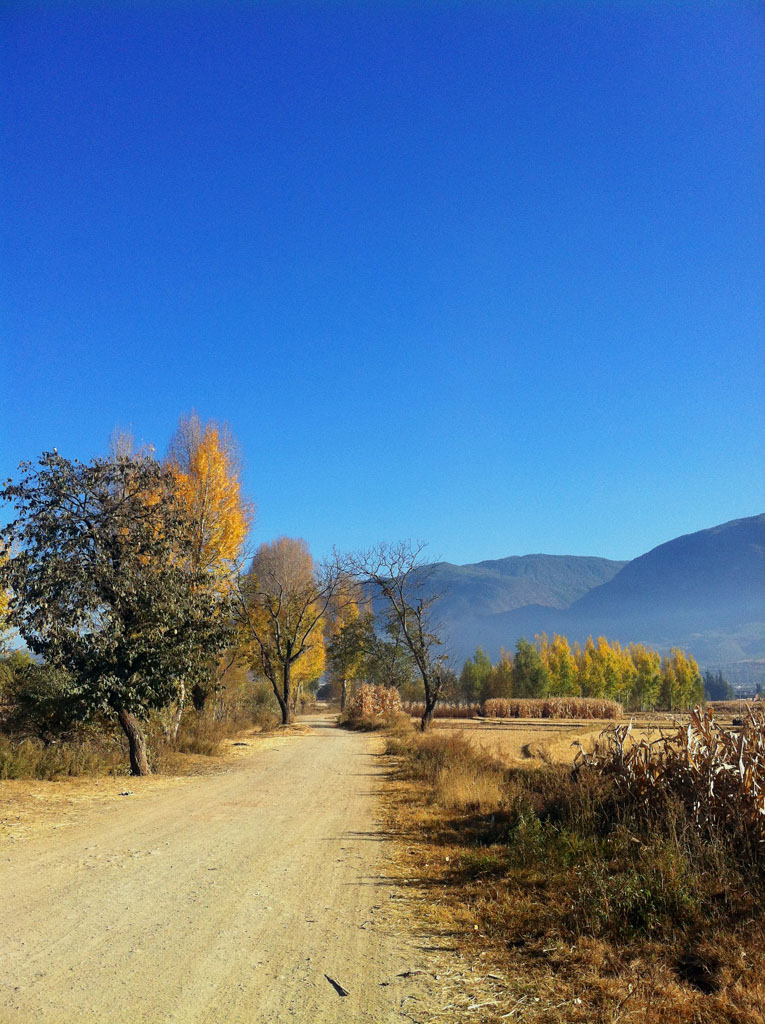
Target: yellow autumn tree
500, 681
307, 671
282, 604
5, 630
681, 684
206, 465
348, 635
590, 670
204, 458
559, 660
647, 677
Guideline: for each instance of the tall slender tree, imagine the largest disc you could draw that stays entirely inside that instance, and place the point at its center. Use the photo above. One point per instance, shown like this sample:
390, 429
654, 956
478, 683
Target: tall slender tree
205, 462
5, 627
474, 677
350, 634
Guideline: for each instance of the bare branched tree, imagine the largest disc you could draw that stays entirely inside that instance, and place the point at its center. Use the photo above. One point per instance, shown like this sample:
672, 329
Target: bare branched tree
399, 575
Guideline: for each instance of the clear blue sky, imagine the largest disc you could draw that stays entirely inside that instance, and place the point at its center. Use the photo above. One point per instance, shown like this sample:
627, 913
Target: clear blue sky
485, 274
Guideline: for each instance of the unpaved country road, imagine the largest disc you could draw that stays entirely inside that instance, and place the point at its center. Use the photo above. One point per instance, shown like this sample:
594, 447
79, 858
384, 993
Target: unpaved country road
225, 900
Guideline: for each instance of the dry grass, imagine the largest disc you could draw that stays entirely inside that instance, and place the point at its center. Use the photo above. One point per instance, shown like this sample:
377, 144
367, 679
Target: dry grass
100, 748
531, 707
525, 742
443, 710
727, 708
547, 741
569, 909
463, 788
89, 755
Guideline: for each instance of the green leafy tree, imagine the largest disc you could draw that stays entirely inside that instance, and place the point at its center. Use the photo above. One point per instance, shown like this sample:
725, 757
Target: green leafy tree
500, 681
349, 631
12, 665
39, 700
474, 677
530, 677
102, 585
389, 662
716, 687
5, 629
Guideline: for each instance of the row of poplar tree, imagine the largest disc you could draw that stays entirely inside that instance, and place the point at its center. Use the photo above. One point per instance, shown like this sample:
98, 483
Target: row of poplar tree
635, 675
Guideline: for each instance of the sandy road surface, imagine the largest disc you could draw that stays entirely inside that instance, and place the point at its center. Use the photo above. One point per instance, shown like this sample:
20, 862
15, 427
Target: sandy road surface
226, 900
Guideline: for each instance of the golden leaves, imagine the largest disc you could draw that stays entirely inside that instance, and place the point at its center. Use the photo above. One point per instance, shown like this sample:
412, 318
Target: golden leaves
205, 463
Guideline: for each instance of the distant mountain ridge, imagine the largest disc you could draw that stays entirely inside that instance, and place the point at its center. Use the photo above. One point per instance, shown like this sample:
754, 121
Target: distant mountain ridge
704, 591
503, 584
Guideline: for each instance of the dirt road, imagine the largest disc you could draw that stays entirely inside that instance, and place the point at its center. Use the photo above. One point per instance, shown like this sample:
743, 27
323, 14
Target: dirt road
230, 899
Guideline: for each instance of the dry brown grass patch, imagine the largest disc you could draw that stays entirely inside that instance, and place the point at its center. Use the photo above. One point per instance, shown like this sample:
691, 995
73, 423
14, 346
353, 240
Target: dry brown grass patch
465, 787
559, 912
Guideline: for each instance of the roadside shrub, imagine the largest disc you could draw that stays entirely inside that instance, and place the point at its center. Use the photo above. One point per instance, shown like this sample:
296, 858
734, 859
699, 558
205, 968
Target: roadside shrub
261, 706
203, 734
576, 870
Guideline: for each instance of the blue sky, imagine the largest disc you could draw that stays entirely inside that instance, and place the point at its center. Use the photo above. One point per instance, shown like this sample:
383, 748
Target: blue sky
489, 275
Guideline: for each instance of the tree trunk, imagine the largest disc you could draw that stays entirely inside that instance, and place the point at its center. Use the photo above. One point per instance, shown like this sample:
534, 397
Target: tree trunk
286, 705
139, 763
343, 694
431, 699
273, 679
199, 697
178, 713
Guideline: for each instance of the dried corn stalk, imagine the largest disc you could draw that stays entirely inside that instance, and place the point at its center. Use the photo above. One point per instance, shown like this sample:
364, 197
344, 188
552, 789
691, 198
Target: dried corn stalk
718, 774
374, 702
551, 707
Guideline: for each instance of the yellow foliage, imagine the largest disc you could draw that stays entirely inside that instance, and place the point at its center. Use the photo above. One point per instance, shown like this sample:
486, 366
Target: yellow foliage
310, 664
558, 658
204, 461
4, 603
284, 625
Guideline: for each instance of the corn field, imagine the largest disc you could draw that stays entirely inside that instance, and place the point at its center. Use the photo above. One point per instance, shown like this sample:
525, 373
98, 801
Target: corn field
717, 773
551, 707
374, 702
417, 710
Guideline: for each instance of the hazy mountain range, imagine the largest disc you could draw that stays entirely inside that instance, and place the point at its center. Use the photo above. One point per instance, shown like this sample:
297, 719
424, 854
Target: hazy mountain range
704, 591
